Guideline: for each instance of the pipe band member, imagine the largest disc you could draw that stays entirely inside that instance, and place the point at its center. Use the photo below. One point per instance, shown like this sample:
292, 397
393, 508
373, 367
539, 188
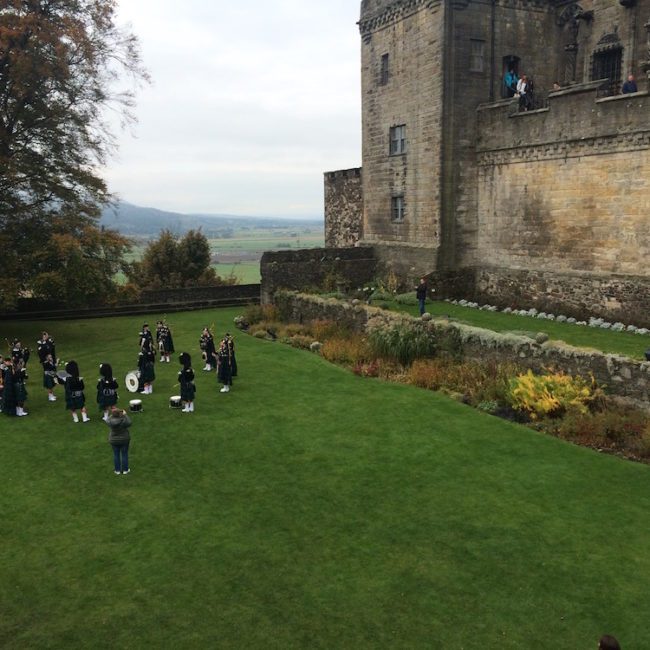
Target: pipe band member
75, 400
224, 366
106, 390
49, 377
165, 341
146, 361
146, 337
206, 343
186, 381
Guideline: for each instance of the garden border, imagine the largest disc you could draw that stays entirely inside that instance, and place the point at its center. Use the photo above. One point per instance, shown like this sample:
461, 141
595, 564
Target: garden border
619, 375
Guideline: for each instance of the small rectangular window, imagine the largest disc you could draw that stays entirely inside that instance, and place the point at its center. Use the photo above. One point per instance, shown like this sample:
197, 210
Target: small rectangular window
398, 140
383, 75
397, 209
477, 56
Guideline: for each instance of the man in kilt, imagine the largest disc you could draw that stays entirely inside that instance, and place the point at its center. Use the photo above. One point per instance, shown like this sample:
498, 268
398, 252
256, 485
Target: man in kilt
146, 361
75, 400
49, 377
186, 381
165, 341
224, 366
106, 390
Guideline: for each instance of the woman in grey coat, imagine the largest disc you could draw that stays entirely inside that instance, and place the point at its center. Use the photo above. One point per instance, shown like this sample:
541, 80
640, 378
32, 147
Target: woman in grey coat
119, 437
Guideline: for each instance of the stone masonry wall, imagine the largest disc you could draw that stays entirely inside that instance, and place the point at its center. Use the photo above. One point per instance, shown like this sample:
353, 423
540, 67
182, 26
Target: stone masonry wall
567, 188
619, 375
316, 268
410, 32
343, 208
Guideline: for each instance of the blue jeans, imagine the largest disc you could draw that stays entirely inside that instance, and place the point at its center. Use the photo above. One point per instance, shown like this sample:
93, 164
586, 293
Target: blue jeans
421, 303
122, 451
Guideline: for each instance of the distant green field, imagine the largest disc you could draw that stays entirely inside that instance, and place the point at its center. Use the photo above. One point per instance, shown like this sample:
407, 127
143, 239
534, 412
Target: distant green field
240, 254
245, 272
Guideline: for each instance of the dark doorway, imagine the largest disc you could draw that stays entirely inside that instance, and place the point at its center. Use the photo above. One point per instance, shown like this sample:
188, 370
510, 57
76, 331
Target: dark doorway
510, 64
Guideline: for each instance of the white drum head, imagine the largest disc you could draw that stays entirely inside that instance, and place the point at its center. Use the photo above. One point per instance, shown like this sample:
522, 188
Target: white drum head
135, 405
132, 381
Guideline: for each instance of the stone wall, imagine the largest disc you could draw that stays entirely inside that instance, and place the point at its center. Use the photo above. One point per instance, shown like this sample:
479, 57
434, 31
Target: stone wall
410, 34
619, 375
329, 269
581, 295
191, 294
566, 190
343, 208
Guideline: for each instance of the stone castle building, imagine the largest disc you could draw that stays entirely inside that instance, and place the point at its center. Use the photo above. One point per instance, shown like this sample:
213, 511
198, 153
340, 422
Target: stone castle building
546, 207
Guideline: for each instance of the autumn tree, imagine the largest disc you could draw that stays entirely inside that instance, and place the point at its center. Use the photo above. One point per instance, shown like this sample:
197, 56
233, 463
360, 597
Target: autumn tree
171, 263
60, 61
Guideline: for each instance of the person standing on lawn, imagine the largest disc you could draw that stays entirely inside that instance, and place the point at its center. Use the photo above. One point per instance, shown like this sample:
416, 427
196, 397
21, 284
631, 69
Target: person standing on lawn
119, 438
421, 294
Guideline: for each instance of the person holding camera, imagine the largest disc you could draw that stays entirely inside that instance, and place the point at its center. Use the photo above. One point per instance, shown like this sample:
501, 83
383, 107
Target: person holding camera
119, 438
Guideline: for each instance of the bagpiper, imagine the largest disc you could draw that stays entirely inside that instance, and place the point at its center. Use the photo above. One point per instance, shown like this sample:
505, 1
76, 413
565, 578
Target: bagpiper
165, 341
208, 351
2, 381
186, 381
224, 366
20, 390
44, 346
106, 390
75, 400
146, 361
14, 393
18, 353
49, 377
146, 337
233, 359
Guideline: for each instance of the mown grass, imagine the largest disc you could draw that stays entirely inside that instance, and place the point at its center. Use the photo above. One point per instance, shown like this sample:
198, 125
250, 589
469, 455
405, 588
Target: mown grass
626, 343
309, 508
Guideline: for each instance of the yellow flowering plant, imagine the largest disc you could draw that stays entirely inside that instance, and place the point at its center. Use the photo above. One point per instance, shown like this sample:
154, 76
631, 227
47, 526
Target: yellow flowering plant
550, 394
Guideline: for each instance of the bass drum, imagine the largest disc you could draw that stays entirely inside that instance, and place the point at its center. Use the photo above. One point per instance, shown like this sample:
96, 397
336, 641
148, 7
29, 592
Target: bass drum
132, 381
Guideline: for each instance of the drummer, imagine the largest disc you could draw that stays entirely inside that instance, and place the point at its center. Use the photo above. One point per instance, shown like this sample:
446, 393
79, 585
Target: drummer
49, 377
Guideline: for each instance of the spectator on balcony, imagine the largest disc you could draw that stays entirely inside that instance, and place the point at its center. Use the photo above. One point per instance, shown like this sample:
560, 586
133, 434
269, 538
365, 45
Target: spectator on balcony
510, 83
629, 86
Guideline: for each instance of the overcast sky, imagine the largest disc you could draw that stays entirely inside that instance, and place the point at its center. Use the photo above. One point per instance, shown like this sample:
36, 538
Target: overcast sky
250, 103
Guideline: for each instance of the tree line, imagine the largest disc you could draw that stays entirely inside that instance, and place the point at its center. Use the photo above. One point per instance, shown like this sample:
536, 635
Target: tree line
62, 66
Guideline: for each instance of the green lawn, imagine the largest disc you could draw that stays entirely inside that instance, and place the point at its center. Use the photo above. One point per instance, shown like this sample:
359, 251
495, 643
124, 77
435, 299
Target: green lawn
308, 508
626, 343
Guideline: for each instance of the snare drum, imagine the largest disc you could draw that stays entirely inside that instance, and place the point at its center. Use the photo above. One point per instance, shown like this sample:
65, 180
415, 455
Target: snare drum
132, 381
135, 405
175, 402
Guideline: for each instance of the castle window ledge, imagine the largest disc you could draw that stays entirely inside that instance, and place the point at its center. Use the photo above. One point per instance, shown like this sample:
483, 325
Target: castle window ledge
498, 104
618, 98
525, 113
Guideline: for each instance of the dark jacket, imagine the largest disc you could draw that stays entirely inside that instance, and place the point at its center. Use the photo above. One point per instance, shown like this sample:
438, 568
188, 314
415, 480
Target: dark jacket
421, 291
119, 429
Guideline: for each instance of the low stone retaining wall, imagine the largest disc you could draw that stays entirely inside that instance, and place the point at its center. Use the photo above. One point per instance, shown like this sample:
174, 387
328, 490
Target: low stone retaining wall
619, 375
151, 302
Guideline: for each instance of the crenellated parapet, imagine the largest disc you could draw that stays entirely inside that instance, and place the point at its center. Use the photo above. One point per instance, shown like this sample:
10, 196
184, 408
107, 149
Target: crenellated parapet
377, 15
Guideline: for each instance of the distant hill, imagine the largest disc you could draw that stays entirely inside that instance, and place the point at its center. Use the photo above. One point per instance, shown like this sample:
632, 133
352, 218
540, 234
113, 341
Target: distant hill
133, 220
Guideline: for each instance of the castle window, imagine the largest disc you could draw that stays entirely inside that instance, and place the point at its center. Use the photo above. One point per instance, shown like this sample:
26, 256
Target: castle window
476, 55
606, 64
397, 208
383, 74
398, 140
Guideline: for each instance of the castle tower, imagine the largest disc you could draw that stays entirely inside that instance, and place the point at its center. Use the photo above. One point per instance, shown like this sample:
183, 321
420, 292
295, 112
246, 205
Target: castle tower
402, 112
